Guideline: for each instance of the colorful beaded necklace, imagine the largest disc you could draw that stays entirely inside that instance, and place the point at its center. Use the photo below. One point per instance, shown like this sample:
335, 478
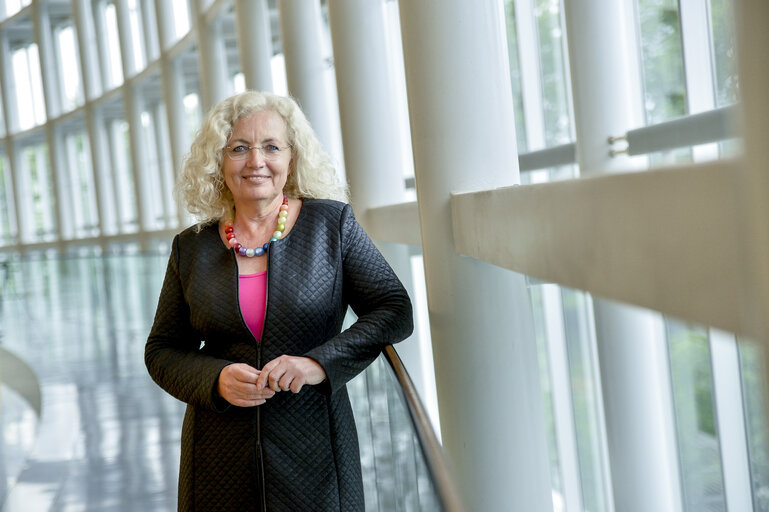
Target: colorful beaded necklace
277, 235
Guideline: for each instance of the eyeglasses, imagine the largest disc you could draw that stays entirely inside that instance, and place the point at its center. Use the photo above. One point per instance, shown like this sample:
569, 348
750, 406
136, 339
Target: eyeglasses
241, 151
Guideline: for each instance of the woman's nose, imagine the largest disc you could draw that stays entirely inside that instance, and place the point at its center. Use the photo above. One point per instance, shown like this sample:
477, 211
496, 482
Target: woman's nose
256, 156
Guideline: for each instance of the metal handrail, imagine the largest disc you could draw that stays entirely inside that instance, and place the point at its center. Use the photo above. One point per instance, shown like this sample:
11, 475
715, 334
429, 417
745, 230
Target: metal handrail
447, 493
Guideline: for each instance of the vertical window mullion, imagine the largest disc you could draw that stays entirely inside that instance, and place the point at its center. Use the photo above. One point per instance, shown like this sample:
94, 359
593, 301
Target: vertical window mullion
698, 66
76, 197
47, 203
730, 417
530, 75
563, 404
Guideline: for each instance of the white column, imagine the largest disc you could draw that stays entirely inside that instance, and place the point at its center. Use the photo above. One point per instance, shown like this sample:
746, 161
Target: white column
86, 44
11, 117
8, 90
306, 68
132, 102
150, 36
102, 172
164, 18
639, 414
96, 12
133, 108
254, 43
89, 63
212, 58
373, 147
57, 167
124, 33
631, 341
173, 94
48, 69
463, 135
62, 182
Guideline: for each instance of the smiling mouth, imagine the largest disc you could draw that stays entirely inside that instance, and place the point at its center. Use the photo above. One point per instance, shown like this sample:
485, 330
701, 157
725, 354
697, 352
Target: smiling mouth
256, 178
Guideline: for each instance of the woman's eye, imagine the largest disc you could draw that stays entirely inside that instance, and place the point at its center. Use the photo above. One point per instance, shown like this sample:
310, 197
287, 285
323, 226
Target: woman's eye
271, 148
239, 149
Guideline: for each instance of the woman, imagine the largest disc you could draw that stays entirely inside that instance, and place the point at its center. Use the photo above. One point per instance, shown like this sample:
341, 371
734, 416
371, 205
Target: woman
248, 325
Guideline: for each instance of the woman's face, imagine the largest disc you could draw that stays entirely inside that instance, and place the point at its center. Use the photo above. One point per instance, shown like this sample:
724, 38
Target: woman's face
259, 175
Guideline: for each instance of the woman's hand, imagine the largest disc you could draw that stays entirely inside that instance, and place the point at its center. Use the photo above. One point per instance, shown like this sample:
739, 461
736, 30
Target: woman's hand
290, 373
237, 385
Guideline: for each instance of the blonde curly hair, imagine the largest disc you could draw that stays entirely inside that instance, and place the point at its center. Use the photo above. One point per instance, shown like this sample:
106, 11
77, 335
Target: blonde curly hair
201, 187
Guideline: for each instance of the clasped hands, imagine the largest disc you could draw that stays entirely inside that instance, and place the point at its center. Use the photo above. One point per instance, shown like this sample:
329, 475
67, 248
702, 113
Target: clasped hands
243, 385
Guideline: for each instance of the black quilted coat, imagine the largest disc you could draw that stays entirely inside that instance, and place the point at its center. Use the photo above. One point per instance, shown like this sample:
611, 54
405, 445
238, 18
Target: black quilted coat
299, 451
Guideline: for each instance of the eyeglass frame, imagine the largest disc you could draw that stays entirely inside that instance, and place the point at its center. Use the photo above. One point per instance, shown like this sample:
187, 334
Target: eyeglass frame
266, 156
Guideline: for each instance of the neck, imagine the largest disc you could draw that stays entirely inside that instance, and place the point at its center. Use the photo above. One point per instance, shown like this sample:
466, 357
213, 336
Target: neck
257, 213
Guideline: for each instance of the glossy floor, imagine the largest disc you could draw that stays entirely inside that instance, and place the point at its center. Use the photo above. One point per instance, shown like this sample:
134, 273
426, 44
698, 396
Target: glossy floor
107, 438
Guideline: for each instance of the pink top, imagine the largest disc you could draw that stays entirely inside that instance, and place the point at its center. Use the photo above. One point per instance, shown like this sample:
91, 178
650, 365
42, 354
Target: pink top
252, 292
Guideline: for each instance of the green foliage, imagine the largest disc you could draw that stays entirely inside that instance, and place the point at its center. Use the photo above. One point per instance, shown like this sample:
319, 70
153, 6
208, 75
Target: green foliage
662, 60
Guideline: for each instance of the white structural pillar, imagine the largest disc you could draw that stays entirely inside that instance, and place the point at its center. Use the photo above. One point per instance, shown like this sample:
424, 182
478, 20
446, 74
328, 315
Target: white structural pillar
212, 59
11, 119
132, 103
306, 66
373, 148
89, 61
255, 43
631, 342
173, 94
51, 96
463, 138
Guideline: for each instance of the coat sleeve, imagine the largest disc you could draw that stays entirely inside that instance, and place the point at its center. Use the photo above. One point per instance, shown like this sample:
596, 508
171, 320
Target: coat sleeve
377, 297
172, 351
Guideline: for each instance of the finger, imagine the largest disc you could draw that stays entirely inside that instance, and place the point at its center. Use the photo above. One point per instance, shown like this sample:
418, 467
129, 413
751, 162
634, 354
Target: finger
264, 374
244, 373
285, 381
296, 385
274, 378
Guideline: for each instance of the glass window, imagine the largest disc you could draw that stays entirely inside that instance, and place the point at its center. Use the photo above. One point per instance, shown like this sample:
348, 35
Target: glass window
123, 180
157, 170
555, 95
697, 433
586, 398
545, 379
541, 94
113, 58
150, 168
753, 388
2, 114
82, 185
69, 66
724, 51
137, 35
193, 114
14, 6
515, 75
38, 194
662, 60
238, 83
181, 15
29, 87
7, 217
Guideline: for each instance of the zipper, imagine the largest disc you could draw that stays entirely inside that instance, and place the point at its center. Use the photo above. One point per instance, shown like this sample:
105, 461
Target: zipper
259, 455
260, 482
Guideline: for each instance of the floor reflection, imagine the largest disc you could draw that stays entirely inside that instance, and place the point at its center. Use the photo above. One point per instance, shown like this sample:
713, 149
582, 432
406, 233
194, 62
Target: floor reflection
108, 437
